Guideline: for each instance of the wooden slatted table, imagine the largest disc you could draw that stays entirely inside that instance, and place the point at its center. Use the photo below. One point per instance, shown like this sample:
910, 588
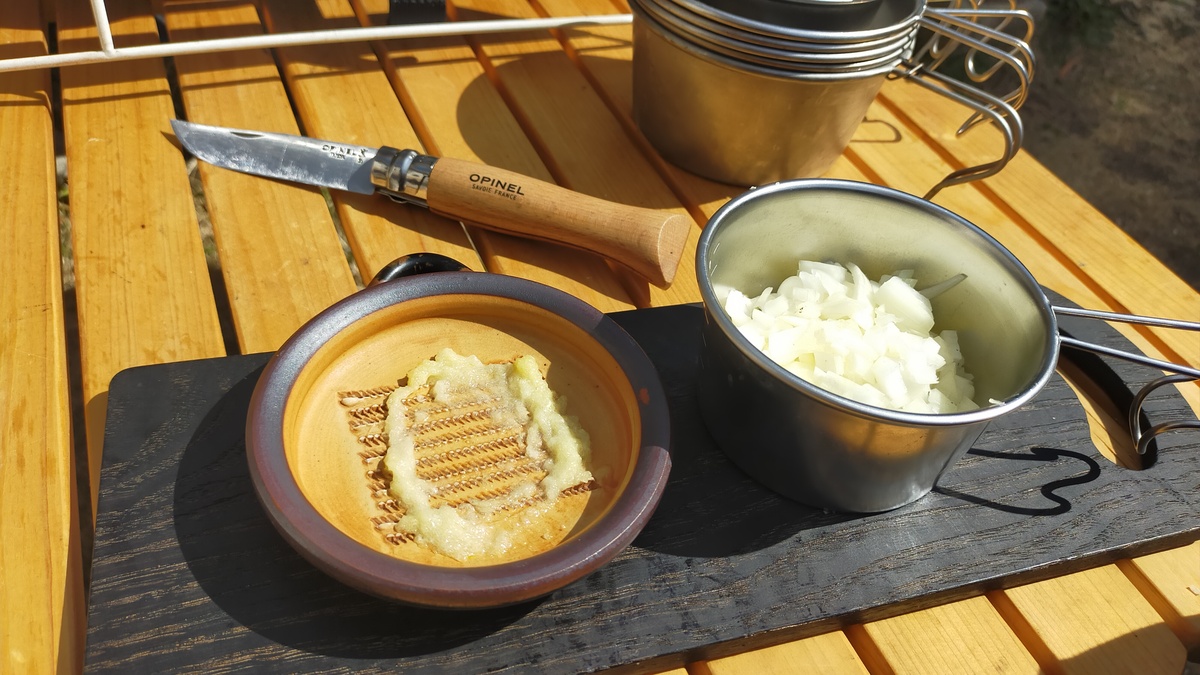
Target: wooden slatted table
554, 106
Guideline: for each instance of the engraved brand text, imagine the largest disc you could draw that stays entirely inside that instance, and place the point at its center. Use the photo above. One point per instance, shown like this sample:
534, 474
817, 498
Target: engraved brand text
497, 187
352, 154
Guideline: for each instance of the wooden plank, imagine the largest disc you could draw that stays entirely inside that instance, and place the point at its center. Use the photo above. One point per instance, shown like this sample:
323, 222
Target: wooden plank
143, 290
1096, 622
458, 113
1076, 231
605, 55
828, 653
585, 147
342, 94
280, 255
961, 637
41, 580
1175, 576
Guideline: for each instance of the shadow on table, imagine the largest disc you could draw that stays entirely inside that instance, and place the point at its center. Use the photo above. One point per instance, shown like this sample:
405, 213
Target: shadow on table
1048, 490
1152, 650
615, 168
245, 567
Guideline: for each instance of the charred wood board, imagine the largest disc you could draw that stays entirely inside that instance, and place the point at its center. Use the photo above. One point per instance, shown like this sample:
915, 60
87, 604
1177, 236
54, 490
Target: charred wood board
188, 572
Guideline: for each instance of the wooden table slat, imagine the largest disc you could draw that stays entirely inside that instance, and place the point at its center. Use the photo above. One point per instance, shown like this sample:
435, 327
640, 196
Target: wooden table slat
142, 283
342, 94
279, 251
578, 136
829, 653
1095, 621
1175, 575
603, 53
41, 580
458, 113
959, 637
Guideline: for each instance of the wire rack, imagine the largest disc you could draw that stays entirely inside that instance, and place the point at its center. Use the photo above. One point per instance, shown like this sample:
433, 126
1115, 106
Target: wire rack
110, 52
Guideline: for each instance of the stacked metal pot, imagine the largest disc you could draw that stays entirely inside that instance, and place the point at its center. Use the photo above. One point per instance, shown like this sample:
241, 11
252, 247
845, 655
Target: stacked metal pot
754, 91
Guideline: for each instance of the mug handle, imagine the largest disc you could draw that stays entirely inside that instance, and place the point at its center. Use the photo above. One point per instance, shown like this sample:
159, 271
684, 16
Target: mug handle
950, 30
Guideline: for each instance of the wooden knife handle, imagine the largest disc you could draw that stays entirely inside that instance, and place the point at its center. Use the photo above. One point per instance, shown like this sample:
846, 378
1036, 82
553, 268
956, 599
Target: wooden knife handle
649, 242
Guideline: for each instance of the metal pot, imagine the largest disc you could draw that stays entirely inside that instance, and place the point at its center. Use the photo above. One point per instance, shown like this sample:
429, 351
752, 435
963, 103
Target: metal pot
820, 448
832, 452
696, 70
692, 104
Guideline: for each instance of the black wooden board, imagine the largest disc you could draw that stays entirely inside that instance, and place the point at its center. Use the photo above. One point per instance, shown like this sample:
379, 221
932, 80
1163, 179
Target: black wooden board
188, 573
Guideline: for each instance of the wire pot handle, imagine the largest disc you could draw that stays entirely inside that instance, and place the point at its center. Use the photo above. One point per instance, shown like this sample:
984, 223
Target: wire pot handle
1143, 437
1179, 372
952, 30
1168, 366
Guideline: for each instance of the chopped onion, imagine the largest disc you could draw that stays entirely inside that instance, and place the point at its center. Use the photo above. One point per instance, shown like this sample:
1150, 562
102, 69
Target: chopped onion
864, 340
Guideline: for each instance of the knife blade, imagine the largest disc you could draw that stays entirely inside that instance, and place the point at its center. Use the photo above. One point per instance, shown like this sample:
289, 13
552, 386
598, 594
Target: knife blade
648, 241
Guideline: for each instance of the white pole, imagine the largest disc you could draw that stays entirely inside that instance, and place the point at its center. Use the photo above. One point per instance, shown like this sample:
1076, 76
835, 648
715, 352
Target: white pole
100, 13
110, 53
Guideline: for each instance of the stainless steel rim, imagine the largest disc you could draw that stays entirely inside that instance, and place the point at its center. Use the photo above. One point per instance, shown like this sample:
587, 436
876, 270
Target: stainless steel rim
741, 65
792, 56
771, 41
900, 16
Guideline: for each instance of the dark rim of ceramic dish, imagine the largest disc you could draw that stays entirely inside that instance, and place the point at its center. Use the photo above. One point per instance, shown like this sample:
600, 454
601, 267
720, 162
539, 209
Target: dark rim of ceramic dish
345, 559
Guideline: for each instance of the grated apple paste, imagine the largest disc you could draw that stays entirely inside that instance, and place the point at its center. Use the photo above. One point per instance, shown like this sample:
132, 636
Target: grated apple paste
517, 396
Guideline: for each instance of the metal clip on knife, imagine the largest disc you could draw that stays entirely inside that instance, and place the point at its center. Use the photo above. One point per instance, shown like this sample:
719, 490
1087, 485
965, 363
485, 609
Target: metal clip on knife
647, 241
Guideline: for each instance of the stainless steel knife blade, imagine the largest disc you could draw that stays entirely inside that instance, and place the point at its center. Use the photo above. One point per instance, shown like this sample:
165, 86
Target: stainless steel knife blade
311, 161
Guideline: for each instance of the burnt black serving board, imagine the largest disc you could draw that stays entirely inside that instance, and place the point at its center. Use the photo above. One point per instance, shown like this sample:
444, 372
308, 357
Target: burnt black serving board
188, 573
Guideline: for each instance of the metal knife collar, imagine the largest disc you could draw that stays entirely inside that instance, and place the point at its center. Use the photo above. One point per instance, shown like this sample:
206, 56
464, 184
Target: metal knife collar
402, 175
